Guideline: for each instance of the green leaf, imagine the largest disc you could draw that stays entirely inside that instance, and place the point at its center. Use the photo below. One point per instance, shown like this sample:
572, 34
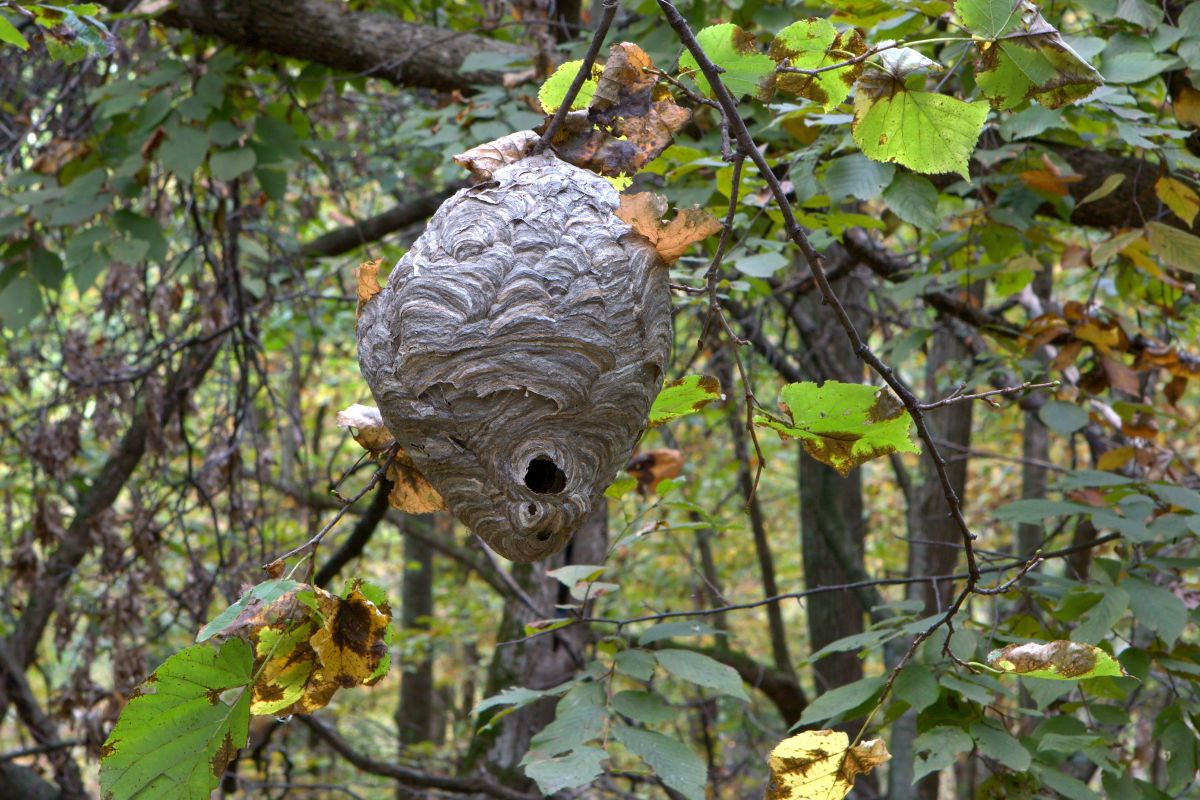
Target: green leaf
572, 574
10, 34
176, 737
684, 396
761, 265
702, 670
1022, 56
747, 71
937, 749
1033, 511
229, 164
1179, 249
20, 303
636, 663
575, 724
917, 686
1001, 745
840, 700
551, 95
811, 44
926, 132
857, 176
183, 150
264, 593
668, 630
645, 707
1100, 619
843, 424
515, 696
915, 200
1058, 660
1063, 418
579, 767
988, 19
1064, 784
673, 762
1157, 608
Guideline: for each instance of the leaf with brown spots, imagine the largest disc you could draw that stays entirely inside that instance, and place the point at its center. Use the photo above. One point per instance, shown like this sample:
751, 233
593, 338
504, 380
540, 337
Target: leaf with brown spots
684, 396
644, 213
1059, 660
820, 765
410, 492
308, 643
630, 121
202, 692
842, 424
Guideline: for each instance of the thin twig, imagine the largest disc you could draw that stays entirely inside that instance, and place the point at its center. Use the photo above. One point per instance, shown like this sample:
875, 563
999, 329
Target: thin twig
311, 545
585, 72
956, 397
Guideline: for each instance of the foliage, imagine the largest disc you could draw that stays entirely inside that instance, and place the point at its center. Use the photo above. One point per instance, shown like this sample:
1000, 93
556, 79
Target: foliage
1004, 195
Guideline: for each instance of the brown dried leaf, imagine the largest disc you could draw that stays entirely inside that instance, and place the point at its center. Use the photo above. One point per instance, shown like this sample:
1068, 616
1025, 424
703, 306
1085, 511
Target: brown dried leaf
644, 212
485, 159
410, 491
367, 280
630, 121
653, 466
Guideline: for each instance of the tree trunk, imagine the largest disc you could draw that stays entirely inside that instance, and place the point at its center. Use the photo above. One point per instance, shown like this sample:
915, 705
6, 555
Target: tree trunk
831, 511
538, 663
934, 538
415, 712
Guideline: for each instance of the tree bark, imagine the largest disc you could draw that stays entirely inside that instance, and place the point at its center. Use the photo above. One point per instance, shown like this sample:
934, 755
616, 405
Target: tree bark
934, 537
538, 663
414, 716
358, 42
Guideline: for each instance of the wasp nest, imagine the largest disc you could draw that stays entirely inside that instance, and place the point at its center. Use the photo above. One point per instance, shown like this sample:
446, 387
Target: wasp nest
517, 348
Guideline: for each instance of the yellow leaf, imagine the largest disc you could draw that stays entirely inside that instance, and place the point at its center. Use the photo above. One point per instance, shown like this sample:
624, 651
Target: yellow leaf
411, 493
644, 212
1114, 459
1179, 197
820, 765
1187, 107
1105, 189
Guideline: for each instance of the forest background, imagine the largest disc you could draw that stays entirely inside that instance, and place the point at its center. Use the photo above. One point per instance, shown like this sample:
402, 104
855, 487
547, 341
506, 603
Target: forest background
189, 186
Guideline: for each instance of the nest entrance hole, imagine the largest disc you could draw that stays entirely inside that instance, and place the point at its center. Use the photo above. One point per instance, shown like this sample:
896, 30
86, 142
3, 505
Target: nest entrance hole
543, 476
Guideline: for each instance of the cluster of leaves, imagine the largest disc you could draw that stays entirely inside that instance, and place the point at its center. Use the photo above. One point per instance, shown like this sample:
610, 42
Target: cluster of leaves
283, 648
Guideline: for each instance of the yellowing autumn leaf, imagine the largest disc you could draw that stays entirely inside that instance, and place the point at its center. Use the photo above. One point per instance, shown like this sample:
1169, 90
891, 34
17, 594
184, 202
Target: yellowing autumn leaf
644, 212
1179, 197
820, 765
307, 643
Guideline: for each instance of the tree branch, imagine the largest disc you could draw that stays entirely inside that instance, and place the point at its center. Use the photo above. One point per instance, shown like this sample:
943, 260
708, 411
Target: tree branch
372, 229
405, 775
359, 42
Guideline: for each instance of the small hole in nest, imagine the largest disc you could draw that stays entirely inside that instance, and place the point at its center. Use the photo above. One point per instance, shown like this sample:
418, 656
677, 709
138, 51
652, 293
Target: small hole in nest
531, 508
543, 536
544, 477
